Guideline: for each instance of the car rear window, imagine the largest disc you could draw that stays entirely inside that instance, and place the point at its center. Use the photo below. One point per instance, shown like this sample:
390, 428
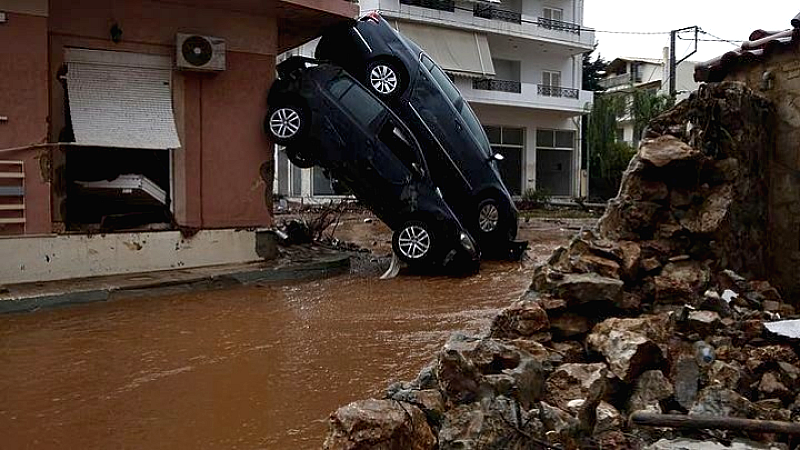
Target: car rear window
355, 99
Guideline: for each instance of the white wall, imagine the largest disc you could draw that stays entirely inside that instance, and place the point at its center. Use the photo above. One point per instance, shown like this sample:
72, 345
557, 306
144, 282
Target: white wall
43, 258
534, 60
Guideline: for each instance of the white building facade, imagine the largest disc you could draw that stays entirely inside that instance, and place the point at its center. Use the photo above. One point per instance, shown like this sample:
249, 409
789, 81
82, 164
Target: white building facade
624, 75
518, 63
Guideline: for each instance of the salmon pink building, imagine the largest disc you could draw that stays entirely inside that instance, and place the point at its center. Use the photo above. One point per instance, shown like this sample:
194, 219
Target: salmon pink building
131, 130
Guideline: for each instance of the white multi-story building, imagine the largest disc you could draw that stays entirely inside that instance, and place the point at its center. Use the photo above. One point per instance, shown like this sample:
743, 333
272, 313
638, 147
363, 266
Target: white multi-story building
518, 63
624, 75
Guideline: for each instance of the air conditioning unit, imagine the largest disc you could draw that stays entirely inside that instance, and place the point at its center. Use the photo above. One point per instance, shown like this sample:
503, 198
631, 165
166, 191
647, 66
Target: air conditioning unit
202, 53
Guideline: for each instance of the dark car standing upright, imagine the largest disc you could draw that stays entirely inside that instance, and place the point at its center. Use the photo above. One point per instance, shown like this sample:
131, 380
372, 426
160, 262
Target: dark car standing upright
325, 117
458, 152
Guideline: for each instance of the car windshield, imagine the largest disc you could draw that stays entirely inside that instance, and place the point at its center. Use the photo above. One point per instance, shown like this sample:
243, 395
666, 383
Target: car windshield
355, 99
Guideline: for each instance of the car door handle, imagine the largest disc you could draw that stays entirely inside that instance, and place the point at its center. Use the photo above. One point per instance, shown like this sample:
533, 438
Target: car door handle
458, 125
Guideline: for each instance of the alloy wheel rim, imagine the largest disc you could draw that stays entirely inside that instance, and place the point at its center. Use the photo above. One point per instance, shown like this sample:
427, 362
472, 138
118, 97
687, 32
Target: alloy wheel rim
383, 79
488, 218
414, 242
284, 123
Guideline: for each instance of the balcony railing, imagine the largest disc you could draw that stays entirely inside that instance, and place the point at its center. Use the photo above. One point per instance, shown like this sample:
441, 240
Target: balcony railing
620, 80
498, 85
441, 5
495, 13
551, 24
556, 91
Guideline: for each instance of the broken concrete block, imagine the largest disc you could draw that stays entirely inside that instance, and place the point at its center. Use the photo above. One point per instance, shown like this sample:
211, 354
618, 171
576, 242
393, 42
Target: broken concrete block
486, 424
784, 329
771, 387
691, 444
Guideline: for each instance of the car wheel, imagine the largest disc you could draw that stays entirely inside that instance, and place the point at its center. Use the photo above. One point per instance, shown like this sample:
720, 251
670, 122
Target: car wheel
286, 123
489, 216
383, 78
414, 243
299, 158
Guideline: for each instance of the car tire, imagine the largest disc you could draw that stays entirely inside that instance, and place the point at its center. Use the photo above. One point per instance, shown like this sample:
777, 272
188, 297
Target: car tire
384, 78
286, 124
415, 243
299, 158
492, 218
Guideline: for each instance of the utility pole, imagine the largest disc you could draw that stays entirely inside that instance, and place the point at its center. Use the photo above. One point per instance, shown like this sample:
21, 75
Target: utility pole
673, 64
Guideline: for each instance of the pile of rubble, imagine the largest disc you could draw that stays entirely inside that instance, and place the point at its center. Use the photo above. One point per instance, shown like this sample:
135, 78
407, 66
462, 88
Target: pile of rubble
663, 309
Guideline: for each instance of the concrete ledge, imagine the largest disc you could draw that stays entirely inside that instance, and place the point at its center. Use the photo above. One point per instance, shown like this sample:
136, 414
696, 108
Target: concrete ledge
33, 296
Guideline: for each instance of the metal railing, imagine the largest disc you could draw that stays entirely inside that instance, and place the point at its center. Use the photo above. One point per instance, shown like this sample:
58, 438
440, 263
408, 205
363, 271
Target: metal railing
495, 13
498, 85
556, 91
441, 5
551, 24
620, 80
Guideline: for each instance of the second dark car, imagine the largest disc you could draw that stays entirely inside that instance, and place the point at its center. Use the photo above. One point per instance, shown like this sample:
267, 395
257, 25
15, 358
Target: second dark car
325, 117
461, 159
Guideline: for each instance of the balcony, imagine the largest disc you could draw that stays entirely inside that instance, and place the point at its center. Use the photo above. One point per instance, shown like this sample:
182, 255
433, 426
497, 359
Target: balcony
556, 91
497, 85
440, 5
626, 79
492, 12
559, 25
525, 95
486, 18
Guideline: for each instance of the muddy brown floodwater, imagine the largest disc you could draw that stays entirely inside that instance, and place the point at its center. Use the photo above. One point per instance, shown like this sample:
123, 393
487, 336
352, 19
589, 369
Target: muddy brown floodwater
245, 368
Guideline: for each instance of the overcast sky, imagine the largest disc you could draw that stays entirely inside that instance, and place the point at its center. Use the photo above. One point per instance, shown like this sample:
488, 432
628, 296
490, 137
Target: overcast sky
726, 19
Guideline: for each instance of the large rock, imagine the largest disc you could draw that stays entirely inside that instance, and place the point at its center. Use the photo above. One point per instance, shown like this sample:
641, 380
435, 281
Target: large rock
666, 149
649, 390
571, 382
379, 425
492, 424
708, 217
720, 401
578, 289
468, 365
681, 282
627, 353
522, 319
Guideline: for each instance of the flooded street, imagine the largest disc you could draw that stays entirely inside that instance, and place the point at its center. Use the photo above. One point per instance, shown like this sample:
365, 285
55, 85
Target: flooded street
241, 368
255, 367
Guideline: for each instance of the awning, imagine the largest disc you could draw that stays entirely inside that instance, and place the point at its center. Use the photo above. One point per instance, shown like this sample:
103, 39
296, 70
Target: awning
121, 99
458, 52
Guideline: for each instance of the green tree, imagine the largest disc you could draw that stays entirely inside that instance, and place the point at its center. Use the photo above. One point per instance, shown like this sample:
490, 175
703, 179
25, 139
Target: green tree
645, 105
608, 158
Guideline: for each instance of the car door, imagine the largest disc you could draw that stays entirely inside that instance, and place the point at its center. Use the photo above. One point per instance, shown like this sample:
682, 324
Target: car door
366, 164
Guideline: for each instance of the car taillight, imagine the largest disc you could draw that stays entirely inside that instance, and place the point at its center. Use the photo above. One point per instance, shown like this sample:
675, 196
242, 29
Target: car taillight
373, 16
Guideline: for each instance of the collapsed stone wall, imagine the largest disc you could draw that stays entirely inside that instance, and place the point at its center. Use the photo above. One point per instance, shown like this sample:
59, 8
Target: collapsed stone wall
649, 312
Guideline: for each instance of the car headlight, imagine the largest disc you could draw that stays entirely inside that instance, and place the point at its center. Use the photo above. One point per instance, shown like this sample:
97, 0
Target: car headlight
466, 242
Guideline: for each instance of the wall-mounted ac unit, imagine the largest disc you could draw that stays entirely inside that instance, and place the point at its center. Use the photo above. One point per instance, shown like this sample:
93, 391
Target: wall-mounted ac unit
203, 53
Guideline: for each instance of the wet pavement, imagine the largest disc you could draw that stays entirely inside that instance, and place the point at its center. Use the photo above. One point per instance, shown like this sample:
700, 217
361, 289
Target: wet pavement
238, 368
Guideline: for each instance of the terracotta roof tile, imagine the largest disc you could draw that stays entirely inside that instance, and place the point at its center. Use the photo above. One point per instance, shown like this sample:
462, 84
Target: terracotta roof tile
761, 45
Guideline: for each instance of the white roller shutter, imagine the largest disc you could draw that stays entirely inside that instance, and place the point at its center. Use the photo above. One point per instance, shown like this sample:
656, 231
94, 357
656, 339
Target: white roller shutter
458, 52
121, 99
